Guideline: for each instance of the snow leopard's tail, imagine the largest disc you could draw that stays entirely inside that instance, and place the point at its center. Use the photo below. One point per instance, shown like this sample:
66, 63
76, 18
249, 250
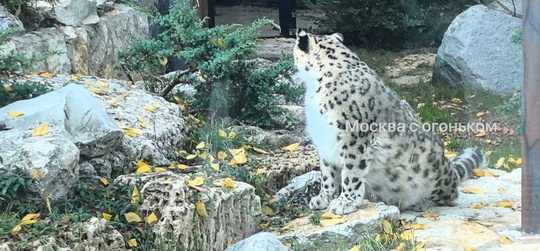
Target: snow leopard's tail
466, 161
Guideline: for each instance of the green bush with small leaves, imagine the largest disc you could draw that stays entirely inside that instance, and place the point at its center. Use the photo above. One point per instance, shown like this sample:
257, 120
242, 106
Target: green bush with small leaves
227, 83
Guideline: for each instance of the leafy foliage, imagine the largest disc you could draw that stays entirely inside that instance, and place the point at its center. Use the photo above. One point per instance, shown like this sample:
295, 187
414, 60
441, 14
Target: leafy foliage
20, 90
226, 83
389, 23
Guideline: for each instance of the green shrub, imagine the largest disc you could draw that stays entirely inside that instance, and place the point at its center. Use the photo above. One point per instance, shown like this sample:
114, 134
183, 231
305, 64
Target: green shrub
226, 83
388, 23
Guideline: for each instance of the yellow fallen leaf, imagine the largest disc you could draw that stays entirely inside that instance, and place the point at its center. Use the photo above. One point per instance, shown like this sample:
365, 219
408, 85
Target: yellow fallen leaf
264, 225
507, 204
106, 216
519, 161
229, 183
222, 155
196, 182
456, 100
355, 248
141, 119
135, 195
292, 147
132, 217
104, 181
249, 139
231, 135
473, 190
15, 114
48, 204
182, 167
451, 154
124, 95
143, 167
132, 242
240, 158
29, 217
163, 61
477, 206
267, 210
102, 84
134, 132
16, 230
98, 91
480, 114
332, 222
260, 171
200, 145
151, 219
501, 188
149, 108
469, 249
222, 133
328, 216
431, 215
500, 162
481, 133
41, 130
387, 227
236, 151
288, 245
488, 153
201, 209
417, 226
261, 151
272, 201
203, 155
478, 172
505, 240
407, 235
191, 156
159, 169
35, 174
378, 238
46, 74
113, 101
215, 166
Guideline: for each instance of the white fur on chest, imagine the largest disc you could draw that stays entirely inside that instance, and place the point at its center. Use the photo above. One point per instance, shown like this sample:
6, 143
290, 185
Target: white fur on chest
323, 135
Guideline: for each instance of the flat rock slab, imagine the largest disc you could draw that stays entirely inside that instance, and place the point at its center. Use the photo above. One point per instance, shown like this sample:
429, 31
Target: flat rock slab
302, 234
481, 221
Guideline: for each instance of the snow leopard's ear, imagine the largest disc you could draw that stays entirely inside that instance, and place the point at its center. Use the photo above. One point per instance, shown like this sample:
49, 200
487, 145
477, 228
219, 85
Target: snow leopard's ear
302, 40
337, 36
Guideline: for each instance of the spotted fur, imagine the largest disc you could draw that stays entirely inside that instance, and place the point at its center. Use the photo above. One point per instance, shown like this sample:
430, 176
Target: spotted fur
404, 168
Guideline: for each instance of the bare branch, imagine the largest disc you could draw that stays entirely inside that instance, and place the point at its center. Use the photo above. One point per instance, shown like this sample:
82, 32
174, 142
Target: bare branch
507, 10
175, 81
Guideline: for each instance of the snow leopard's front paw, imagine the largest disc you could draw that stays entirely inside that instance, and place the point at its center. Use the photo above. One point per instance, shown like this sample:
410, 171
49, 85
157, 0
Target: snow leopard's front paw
342, 205
320, 201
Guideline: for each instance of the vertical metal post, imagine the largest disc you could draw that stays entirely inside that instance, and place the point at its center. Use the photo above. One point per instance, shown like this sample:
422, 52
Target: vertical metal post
530, 185
287, 17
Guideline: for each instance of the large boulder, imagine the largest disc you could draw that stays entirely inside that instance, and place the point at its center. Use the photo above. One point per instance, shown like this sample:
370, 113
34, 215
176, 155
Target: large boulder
478, 49
259, 242
232, 213
90, 49
9, 21
79, 126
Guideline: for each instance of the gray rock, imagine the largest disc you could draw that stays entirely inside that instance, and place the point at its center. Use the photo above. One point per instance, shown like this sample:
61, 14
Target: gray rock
53, 155
274, 48
301, 188
259, 242
76, 12
477, 49
87, 49
9, 21
90, 128
159, 123
233, 213
303, 235
38, 44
